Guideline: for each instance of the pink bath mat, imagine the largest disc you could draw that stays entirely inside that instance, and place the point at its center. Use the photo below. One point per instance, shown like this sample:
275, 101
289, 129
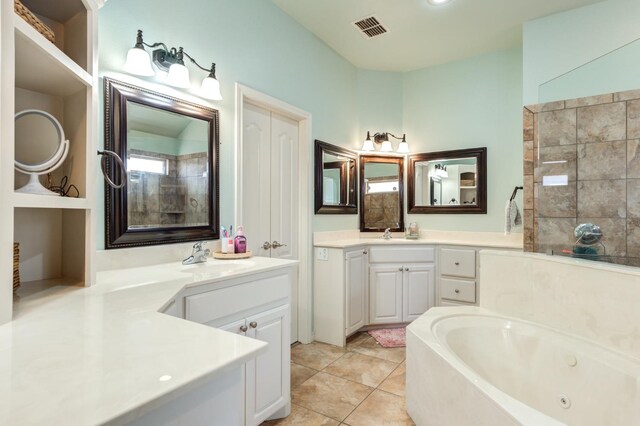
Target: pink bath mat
390, 337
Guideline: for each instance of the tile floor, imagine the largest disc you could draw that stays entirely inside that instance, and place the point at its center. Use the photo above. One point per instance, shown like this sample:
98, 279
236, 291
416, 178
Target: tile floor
362, 384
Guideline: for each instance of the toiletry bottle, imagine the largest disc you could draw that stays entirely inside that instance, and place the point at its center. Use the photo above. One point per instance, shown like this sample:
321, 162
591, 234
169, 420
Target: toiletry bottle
230, 247
240, 242
224, 240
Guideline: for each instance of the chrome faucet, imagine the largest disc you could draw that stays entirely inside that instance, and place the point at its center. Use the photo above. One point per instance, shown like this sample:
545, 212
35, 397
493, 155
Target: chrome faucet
198, 255
387, 234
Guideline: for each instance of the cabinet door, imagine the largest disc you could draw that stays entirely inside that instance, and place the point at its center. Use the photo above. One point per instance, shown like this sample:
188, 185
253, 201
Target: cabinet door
356, 288
386, 294
267, 383
418, 291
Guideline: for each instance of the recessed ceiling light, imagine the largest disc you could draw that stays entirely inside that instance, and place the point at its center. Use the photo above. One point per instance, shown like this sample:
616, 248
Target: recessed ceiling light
438, 2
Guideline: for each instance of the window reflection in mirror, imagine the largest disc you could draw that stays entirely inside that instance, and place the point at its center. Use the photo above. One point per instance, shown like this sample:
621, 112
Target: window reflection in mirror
336, 190
167, 164
382, 193
448, 182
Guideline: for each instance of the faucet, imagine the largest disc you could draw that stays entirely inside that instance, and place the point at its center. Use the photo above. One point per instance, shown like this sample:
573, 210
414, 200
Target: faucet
387, 234
199, 254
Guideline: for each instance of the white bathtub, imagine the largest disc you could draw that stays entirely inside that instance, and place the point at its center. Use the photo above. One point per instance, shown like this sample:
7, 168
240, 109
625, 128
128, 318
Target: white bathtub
469, 366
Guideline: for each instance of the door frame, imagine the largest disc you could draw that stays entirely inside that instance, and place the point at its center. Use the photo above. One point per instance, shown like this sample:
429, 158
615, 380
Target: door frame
243, 94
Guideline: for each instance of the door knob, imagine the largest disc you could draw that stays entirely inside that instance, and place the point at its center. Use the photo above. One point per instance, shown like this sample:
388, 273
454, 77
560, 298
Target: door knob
276, 244
266, 245
243, 328
253, 324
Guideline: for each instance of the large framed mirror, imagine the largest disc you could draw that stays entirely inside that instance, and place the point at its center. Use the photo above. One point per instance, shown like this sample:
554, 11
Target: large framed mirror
336, 188
448, 182
170, 149
381, 193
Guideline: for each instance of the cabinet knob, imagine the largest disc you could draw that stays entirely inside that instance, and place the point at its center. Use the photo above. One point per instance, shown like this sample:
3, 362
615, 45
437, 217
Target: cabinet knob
457, 263
406, 269
243, 328
253, 324
365, 252
457, 291
400, 269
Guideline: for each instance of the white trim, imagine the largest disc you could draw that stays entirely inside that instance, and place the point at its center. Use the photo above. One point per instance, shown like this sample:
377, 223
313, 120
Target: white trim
243, 93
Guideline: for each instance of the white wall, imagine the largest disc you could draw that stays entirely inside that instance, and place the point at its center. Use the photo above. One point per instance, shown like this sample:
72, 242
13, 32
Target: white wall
560, 43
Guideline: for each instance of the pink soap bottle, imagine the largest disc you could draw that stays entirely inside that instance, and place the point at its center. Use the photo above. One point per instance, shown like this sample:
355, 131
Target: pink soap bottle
240, 242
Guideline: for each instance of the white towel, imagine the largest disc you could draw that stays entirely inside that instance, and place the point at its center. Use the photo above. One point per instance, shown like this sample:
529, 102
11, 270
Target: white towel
512, 216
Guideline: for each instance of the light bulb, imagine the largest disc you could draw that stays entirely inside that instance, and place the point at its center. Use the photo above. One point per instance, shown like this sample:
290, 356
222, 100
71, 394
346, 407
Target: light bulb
403, 147
386, 146
138, 62
210, 89
178, 76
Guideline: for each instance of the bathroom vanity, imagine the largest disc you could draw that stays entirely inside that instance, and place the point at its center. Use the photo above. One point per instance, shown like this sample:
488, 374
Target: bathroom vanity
166, 344
365, 282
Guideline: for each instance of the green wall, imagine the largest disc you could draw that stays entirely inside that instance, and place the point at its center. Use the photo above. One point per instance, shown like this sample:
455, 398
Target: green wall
254, 43
466, 104
573, 54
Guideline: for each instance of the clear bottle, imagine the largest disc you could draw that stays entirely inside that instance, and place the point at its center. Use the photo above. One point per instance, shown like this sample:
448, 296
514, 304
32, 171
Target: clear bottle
240, 242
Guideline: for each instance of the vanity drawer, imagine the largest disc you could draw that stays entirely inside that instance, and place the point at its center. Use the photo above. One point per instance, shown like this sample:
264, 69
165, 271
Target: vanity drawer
458, 262
212, 305
402, 254
463, 291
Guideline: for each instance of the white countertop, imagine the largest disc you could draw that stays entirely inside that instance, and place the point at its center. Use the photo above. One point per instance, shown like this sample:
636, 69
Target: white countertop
85, 356
346, 239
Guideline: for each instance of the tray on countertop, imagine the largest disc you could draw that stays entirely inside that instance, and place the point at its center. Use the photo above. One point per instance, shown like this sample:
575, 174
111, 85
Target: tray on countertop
224, 256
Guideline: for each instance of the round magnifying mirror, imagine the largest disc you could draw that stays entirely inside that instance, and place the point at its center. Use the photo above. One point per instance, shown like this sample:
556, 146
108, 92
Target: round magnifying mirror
40, 148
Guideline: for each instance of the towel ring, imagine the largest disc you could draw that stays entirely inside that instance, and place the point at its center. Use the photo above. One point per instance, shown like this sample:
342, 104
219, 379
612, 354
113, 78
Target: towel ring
103, 166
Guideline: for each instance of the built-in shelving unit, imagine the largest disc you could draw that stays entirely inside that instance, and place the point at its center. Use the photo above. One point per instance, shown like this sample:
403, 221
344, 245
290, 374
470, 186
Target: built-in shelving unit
55, 233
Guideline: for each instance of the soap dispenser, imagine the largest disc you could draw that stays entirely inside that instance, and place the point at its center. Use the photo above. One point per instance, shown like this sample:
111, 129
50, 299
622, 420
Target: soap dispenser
240, 242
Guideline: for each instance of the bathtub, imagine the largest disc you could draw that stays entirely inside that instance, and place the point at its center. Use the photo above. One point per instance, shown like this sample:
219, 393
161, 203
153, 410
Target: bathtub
470, 366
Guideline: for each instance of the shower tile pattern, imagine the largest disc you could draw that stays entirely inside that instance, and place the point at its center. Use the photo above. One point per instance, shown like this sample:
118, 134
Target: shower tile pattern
177, 198
592, 143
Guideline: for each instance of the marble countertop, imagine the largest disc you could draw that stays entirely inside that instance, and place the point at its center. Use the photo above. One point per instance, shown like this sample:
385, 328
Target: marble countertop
85, 356
346, 239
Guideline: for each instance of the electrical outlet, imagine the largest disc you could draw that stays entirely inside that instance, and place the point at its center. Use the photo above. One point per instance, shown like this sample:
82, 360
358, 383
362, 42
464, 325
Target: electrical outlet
322, 253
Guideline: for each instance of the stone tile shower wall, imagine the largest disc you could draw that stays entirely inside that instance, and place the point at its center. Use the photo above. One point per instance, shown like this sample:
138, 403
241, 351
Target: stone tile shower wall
593, 143
178, 198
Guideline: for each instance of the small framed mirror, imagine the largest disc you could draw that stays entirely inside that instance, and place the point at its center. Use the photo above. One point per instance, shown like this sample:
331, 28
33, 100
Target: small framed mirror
170, 150
335, 180
448, 182
381, 193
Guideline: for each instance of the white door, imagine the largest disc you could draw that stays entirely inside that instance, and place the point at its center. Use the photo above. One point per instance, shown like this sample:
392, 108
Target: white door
385, 284
270, 189
356, 288
267, 384
418, 291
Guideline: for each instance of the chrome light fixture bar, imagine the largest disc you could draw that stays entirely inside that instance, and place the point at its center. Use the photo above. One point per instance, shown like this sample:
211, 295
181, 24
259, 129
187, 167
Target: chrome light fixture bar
382, 139
172, 61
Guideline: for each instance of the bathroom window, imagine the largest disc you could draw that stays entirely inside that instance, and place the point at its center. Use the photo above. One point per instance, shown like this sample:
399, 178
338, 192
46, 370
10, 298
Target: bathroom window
137, 163
382, 186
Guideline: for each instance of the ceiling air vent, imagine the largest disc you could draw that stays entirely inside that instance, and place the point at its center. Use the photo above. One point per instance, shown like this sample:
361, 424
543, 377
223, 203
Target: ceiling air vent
370, 26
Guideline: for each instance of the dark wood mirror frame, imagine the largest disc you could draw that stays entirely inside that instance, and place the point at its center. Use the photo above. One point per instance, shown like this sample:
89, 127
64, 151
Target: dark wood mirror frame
343, 208
480, 154
364, 159
117, 232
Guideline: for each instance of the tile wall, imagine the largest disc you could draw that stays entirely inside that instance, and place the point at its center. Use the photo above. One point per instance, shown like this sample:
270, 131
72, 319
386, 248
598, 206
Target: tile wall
582, 164
382, 210
177, 198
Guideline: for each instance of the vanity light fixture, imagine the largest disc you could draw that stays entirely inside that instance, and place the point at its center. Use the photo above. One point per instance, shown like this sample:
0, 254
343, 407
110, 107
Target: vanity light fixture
171, 61
382, 139
441, 171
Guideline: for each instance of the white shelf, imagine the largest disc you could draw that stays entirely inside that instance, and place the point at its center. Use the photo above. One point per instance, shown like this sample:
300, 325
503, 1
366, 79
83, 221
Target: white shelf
48, 202
468, 187
42, 67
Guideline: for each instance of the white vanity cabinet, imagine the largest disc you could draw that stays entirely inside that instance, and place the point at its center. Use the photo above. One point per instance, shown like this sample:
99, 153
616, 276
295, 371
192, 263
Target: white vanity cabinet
457, 272
401, 292
356, 290
256, 306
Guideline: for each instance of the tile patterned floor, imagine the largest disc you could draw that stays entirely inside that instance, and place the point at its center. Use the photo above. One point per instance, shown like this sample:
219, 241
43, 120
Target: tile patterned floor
362, 384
